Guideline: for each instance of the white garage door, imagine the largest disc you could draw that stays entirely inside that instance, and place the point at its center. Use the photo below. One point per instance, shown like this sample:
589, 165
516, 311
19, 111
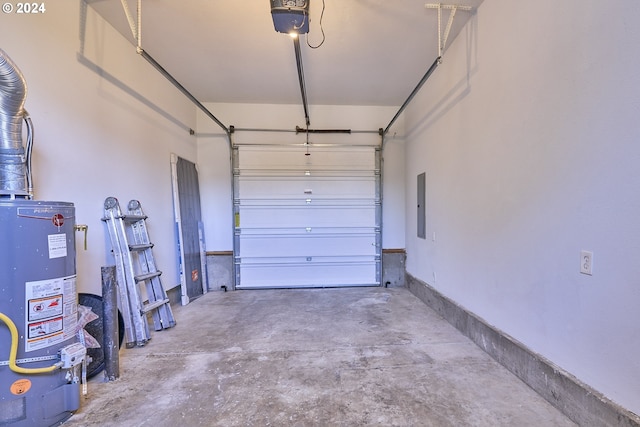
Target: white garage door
307, 220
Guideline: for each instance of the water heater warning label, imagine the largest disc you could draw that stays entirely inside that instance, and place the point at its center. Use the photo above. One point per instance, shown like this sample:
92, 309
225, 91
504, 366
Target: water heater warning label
57, 245
44, 308
50, 327
52, 313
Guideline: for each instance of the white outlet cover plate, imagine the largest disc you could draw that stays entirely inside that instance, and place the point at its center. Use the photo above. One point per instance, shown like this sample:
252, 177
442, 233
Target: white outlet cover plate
586, 262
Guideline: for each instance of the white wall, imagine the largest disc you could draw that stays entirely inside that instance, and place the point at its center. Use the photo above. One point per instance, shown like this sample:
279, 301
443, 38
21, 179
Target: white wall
214, 164
528, 134
105, 125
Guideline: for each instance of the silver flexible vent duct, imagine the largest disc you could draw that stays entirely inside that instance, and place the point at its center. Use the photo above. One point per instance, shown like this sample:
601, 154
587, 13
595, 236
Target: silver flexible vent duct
15, 175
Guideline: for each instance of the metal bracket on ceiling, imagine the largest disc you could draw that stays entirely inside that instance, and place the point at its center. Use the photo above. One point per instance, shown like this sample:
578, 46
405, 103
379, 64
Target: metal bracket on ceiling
134, 25
442, 37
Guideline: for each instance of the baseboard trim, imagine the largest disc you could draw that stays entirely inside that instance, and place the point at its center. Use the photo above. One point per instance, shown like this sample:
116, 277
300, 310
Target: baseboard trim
578, 401
219, 253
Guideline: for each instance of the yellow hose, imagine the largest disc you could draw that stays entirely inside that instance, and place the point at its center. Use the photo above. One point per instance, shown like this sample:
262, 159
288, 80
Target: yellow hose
14, 352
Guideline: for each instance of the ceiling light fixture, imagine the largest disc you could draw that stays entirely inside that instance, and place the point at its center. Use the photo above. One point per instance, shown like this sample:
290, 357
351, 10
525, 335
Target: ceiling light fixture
290, 16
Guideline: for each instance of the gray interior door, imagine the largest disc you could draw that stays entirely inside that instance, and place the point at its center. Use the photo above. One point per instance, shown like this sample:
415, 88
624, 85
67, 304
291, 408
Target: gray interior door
188, 222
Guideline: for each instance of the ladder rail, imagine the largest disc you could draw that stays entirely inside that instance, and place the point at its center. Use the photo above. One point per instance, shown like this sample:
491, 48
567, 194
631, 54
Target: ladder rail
163, 317
140, 324
123, 297
146, 271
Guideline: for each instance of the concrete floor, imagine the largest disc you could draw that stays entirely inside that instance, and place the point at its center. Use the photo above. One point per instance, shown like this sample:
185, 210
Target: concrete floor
313, 357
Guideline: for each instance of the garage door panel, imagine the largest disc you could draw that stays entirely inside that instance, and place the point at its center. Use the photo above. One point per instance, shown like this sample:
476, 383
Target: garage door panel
300, 274
322, 158
340, 245
305, 217
285, 188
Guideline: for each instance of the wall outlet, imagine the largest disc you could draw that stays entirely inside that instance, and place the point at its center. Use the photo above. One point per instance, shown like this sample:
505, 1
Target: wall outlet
586, 262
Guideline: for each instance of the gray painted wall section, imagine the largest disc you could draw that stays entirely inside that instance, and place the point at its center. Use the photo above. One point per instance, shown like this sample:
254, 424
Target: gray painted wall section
393, 268
220, 271
578, 401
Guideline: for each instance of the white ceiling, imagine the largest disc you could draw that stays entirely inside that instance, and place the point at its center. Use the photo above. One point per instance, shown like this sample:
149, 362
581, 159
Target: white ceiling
375, 51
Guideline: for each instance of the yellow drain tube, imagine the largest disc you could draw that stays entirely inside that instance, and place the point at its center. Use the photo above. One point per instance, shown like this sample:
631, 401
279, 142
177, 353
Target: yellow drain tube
14, 352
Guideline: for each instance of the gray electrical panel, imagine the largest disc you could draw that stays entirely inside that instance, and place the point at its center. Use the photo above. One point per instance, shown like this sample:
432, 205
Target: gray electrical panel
422, 207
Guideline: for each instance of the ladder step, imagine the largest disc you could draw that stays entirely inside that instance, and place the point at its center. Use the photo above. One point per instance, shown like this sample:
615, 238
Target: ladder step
132, 217
147, 276
127, 218
153, 305
140, 247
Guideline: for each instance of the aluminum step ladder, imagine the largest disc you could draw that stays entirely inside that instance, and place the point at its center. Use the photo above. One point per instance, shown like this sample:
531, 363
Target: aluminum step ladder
140, 290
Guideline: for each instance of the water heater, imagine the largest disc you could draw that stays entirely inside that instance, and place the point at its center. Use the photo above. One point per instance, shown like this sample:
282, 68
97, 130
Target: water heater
39, 353
38, 295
